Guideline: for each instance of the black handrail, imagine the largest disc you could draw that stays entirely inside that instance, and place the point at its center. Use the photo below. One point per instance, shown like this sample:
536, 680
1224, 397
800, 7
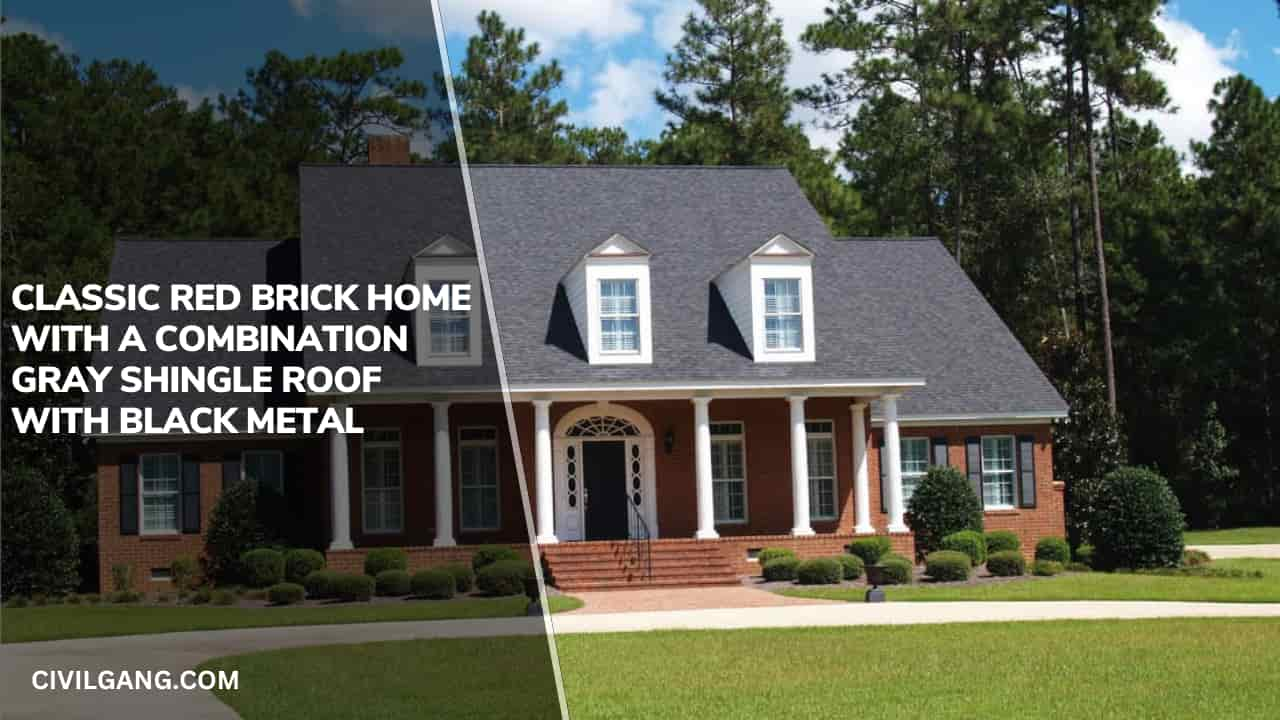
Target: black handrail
640, 540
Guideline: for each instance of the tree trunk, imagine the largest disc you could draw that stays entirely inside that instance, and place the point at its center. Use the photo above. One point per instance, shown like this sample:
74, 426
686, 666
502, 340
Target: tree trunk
1077, 244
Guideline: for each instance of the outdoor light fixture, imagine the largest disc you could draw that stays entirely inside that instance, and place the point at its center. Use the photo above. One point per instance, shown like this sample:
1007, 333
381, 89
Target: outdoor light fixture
669, 440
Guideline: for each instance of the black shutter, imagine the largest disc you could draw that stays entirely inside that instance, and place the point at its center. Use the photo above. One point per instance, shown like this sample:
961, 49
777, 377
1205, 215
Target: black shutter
230, 470
939, 456
884, 494
190, 510
1026, 471
129, 496
973, 463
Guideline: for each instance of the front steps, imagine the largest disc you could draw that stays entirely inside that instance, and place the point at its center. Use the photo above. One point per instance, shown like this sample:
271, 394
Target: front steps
613, 565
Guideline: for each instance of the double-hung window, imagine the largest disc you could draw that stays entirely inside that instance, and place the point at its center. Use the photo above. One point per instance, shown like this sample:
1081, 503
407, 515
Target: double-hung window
161, 475
783, 315
619, 317
449, 331
264, 468
478, 477
821, 441
997, 472
728, 472
915, 463
383, 485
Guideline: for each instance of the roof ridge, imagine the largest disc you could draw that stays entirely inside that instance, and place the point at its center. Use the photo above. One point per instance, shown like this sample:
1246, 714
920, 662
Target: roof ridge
583, 166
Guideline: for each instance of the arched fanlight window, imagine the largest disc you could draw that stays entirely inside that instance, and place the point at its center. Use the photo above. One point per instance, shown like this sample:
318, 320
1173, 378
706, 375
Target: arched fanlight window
602, 426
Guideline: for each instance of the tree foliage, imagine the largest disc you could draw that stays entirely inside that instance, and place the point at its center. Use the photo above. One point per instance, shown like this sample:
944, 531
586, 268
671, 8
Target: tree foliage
41, 551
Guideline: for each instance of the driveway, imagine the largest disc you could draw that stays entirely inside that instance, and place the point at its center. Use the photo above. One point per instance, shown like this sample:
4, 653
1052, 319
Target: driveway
1239, 551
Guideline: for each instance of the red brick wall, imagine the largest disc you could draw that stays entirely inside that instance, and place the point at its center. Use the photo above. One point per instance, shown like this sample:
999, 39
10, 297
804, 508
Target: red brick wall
420, 558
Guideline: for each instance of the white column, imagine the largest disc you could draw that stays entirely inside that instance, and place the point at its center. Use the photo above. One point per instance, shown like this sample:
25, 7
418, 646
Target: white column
893, 464
443, 476
339, 489
861, 484
544, 493
799, 469
702, 468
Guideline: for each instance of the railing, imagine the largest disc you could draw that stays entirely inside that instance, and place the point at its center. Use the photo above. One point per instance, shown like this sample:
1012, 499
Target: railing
640, 541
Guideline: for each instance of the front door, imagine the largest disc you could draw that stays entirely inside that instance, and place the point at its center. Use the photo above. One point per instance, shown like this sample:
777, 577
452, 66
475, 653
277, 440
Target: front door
604, 475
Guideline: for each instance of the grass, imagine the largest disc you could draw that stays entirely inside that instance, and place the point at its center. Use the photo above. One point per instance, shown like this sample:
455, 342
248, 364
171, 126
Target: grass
1234, 536
57, 622
1205, 669
1087, 586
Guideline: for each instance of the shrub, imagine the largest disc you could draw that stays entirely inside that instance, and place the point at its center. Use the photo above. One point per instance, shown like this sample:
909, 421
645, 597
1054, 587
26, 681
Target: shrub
392, 583
947, 565
464, 578
896, 569
1193, 558
122, 576
1046, 568
350, 587
490, 554
1053, 548
943, 503
223, 597
16, 602
1084, 554
769, 554
163, 598
41, 548
234, 529
1076, 567
504, 577
301, 562
973, 544
436, 584
258, 594
1007, 563
126, 596
1137, 522
74, 599
320, 584
185, 572
202, 596
870, 549
852, 566
39, 600
783, 568
285, 593
92, 599
819, 571
999, 540
263, 567
380, 559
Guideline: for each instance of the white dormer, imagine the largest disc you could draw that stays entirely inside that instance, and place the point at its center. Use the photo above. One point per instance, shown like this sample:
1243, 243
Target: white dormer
452, 337
770, 295
609, 293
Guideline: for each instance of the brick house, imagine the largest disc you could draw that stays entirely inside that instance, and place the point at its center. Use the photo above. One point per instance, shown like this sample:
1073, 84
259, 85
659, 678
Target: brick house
696, 369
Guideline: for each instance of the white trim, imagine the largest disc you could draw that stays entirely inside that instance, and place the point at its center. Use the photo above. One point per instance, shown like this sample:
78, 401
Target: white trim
903, 441
497, 476
365, 445
1012, 472
741, 437
142, 493
1029, 418
448, 271
571, 521
593, 271
835, 468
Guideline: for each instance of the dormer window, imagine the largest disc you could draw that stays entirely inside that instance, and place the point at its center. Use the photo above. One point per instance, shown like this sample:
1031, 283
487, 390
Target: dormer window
447, 337
608, 291
769, 293
783, 315
450, 332
619, 316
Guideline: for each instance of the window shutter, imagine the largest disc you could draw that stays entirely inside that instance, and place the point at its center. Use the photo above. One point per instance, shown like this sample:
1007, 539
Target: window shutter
230, 471
973, 462
939, 446
1026, 471
129, 496
884, 494
190, 502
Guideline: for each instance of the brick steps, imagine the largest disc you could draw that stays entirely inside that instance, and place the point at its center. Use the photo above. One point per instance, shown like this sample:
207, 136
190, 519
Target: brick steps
614, 565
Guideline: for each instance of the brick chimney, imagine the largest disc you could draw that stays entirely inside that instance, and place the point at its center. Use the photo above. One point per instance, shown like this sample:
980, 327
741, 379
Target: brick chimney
388, 149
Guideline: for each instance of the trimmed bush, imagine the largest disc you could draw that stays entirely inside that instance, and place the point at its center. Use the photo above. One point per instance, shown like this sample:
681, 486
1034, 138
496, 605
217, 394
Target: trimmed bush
1007, 563
380, 559
263, 567
769, 554
1194, 558
1076, 567
126, 596
350, 587
436, 584
490, 554
1000, 540
74, 599
92, 599
819, 571
1137, 522
870, 549
947, 565
202, 596
852, 566
783, 568
1053, 548
1046, 568
185, 571
897, 570
943, 503
223, 597
464, 578
301, 562
973, 544
392, 583
1084, 554
504, 577
321, 584
39, 600
286, 593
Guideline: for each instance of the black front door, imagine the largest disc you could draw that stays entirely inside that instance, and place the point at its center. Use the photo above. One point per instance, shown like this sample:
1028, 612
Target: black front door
604, 475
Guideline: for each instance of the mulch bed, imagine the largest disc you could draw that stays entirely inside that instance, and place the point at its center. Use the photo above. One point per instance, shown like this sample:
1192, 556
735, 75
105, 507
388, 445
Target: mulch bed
979, 577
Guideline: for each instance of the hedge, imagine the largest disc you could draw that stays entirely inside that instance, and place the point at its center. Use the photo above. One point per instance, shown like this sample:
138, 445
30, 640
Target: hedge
436, 584
819, 571
870, 549
504, 577
490, 554
896, 570
1046, 568
321, 584
969, 542
769, 554
852, 566
1053, 548
464, 578
263, 567
947, 565
391, 583
783, 568
350, 587
1007, 563
301, 562
285, 593
1000, 540
380, 559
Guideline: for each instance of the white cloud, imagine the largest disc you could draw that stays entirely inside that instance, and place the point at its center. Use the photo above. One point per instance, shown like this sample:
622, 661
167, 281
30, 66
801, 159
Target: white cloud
17, 26
194, 96
623, 93
1276, 50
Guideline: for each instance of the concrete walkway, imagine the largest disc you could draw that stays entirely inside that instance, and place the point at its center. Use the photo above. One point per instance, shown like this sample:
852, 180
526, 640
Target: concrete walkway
180, 651
1239, 551
695, 598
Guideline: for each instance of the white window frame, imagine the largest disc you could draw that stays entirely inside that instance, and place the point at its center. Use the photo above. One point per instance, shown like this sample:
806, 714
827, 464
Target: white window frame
143, 494
835, 472
433, 271
916, 475
739, 437
365, 446
780, 315
497, 477
602, 316
279, 458
619, 259
1011, 473
445, 316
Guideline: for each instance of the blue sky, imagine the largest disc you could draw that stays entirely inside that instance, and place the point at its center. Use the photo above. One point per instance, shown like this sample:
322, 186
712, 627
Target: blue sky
612, 50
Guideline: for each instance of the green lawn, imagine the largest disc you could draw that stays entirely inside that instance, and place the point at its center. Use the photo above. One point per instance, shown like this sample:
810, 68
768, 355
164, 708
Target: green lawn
1087, 586
1200, 669
57, 622
1234, 536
